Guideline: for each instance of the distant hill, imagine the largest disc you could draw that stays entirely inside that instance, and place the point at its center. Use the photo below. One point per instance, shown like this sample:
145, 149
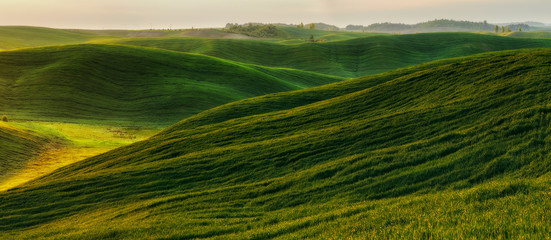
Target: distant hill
453, 149
348, 58
93, 82
442, 25
12, 37
530, 34
529, 23
261, 30
325, 27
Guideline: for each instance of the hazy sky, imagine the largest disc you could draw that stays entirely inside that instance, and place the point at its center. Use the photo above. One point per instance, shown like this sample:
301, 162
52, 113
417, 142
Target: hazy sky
143, 14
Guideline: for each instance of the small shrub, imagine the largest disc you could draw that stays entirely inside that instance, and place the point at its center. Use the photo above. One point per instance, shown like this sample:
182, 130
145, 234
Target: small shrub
4, 118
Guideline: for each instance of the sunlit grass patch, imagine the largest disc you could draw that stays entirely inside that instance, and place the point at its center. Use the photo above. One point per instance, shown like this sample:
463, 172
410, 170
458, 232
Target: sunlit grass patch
77, 142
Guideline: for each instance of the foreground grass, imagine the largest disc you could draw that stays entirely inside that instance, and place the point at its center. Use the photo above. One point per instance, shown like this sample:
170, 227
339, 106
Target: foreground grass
500, 209
450, 149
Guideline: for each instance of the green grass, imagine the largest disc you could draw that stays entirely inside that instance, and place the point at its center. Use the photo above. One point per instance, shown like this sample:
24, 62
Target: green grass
450, 149
530, 34
88, 83
350, 58
12, 37
30, 149
293, 34
18, 145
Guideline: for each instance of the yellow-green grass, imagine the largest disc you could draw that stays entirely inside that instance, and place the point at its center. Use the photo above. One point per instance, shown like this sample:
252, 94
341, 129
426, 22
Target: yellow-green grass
350, 58
88, 83
293, 34
59, 144
13, 37
18, 145
530, 34
450, 149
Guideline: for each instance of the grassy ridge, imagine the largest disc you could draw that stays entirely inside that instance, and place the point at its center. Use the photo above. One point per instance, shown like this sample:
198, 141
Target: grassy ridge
350, 58
440, 149
119, 83
294, 35
12, 37
530, 34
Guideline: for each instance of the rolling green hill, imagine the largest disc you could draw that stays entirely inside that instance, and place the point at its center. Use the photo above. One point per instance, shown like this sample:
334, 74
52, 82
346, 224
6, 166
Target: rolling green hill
450, 149
88, 83
350, 58
12, 37
304, 34
530, 34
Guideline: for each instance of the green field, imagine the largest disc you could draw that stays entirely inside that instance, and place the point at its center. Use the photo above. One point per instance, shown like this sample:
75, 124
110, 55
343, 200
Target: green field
348, 58
13, 37
161, 134
32, 149
464, 138
123, 84
19, 145
530, 34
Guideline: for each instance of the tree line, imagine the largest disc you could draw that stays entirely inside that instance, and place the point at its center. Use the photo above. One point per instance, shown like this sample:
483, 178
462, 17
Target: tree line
434, 24
253, 30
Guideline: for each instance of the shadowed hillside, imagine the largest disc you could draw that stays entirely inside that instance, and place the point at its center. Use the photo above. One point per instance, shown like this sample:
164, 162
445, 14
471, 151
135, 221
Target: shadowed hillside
439, 150
129, 84
350, 58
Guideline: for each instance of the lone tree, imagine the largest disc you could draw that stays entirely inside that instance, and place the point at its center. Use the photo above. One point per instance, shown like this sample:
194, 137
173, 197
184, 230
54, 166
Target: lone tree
496, 29
519, 29
502, 29
508, 29
312, 38
312, 26
301, 25
4, 118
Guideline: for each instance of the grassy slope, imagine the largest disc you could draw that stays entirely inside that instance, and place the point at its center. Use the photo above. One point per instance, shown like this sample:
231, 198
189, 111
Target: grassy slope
32, 149
530, 34
304, 34
129, 84
454, 149
19, 145
12, 37
350, 58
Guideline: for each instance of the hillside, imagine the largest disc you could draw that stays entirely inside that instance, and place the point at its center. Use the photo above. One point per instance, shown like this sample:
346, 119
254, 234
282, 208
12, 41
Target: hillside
349, 58
18, 146
530, 34
12, 37
450, 149
296, 35
438, 25
90, 82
